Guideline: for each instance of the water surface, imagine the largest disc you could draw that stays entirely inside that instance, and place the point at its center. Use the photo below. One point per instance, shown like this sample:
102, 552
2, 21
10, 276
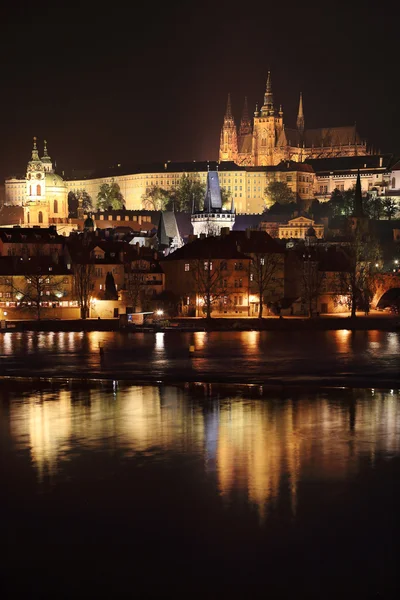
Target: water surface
198, 490
333, 357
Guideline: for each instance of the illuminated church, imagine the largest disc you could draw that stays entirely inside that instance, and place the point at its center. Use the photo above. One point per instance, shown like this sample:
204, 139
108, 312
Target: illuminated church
265, 141
46, 199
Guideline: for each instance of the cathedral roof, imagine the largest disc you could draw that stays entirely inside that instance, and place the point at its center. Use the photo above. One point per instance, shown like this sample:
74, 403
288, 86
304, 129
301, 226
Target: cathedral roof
331, 136
321, 137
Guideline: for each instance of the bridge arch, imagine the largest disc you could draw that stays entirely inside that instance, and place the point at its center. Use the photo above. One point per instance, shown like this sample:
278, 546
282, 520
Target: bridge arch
389, 298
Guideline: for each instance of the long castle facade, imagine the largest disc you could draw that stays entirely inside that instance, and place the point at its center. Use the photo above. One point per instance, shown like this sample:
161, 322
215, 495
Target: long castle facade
265, 141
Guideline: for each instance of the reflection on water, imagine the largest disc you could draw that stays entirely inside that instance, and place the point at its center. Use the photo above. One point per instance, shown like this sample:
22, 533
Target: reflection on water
365, 357
282, 490
257, 448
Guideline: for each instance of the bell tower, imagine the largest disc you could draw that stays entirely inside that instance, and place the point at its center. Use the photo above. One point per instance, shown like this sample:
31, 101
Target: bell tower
36, 210
267, 124
35, 176
228, 148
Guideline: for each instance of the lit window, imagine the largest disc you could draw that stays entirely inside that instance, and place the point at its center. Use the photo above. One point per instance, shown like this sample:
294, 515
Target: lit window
187, 267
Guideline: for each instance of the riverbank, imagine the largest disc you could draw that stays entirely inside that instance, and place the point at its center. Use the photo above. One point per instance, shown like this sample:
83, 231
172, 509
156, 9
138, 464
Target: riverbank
377, 322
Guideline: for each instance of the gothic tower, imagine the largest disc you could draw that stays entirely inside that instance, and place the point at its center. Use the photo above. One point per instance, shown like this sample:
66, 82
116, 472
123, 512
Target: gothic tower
228, 148
245, 137
268, 123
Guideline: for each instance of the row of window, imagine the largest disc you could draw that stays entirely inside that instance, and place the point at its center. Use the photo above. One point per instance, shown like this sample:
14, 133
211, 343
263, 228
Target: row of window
208, 265
237, 300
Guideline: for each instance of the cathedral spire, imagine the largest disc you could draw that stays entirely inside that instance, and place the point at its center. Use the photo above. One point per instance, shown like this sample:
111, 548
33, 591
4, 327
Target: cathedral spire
268, 96
228, 114
228, 147
300, 116
245, 123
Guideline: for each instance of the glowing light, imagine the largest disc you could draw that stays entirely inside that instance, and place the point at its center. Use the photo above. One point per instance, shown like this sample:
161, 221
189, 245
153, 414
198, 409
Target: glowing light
159, 312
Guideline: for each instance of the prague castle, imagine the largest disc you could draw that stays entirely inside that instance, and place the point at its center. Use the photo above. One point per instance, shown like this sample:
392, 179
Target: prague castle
265, 141
312, 162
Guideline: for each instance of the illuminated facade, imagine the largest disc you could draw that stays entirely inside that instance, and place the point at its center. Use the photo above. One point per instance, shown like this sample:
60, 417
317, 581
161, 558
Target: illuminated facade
266, 141
298, 228
42, 193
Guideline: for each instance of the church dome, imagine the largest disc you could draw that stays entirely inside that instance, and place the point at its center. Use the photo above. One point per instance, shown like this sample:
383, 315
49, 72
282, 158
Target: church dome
54, 180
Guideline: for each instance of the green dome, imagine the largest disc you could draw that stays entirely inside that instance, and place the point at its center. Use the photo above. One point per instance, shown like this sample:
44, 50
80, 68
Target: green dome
54, 180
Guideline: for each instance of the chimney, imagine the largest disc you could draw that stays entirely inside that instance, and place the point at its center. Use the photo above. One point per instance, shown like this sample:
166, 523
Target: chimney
380, 161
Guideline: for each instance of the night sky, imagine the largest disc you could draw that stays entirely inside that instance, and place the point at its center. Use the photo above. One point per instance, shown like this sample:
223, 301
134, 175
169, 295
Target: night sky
151, 84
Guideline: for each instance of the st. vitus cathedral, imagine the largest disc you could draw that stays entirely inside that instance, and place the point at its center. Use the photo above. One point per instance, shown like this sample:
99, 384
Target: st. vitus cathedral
265, 141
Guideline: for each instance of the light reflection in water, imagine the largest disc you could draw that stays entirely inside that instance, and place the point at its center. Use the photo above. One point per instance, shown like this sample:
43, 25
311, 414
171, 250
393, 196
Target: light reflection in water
342, 337
159, 344
260, 449
200, 338
251, 339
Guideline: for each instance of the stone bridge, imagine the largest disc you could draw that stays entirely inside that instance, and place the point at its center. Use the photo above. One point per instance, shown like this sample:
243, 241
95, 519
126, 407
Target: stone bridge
387, 291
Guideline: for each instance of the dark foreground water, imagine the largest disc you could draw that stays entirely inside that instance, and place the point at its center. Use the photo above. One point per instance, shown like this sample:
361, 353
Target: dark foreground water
326, 357
118, 490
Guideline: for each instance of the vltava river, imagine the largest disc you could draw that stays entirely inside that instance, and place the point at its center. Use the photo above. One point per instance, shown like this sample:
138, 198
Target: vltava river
332, 357
196, 490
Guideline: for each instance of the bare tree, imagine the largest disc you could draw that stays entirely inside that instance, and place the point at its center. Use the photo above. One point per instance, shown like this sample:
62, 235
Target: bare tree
263, 270
83, 286
358, 283
35, 289
209, 282
135, 285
